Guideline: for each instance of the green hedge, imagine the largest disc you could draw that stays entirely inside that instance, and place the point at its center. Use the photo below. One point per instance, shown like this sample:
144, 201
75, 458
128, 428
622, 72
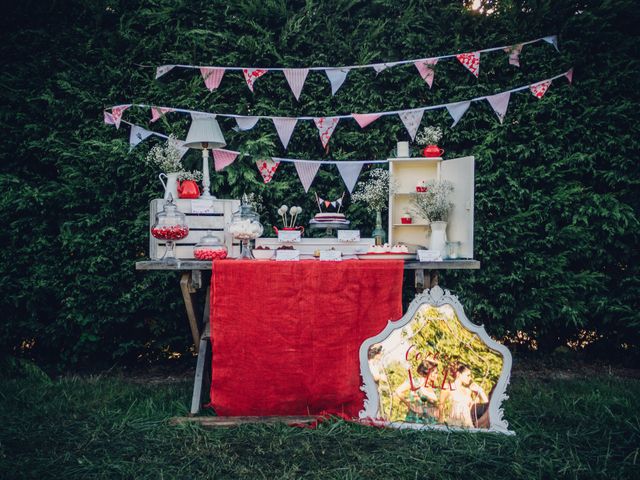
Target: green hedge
556, 184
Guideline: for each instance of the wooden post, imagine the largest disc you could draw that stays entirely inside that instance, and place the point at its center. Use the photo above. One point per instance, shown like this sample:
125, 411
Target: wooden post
186, 287
422, 280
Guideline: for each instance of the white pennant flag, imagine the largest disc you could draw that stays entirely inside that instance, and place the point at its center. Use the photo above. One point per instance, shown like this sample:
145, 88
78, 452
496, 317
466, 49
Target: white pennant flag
137, 135
212, 77
284, 127
223, 158
425, 67
179, 145
326, 126
499, 103
411, 120
162, 69
553, 40
307, 172
349, 173
379, 67
365, 119
336, 76
457, 110
246, 123
296, 77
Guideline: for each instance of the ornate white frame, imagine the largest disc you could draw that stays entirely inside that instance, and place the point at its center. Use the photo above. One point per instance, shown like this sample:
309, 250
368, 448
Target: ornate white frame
437, 297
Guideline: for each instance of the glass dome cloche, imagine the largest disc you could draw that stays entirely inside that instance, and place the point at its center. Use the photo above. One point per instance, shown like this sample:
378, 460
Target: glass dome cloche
245, 226
170, 225
210, 247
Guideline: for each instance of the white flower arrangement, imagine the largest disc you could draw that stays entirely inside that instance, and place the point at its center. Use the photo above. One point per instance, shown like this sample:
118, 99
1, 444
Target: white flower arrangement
434, 204
194, 175
429, 136
293, 213
166, 157
375, 191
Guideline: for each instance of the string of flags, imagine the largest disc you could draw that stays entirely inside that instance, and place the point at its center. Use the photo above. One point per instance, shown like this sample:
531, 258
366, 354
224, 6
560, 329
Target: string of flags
411, 118
296, 77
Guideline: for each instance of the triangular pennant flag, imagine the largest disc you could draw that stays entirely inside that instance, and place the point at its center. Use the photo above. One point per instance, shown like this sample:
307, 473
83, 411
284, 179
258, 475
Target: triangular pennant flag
307, 172
540, 88
320, 200
137, 135
336, 77
411, 120
223, 158
162, 69
212, 77
326, 126
349, 173
179, 145
339, 201
251, 75
157, 112
334, 203
327, 203
246, 123
267, 168
471, 61
425, 67
499, 103
365, 119
296, 77
457, 110
116, 114
284, 127
379, 67
108, 119
569, 75
514, 54
553, 40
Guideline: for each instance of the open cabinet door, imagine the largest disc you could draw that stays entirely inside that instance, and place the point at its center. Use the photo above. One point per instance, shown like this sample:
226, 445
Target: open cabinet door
460, 172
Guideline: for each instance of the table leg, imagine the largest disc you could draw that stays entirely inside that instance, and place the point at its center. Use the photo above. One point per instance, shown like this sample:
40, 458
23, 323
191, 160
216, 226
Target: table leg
422, 280
202, 353
187, 288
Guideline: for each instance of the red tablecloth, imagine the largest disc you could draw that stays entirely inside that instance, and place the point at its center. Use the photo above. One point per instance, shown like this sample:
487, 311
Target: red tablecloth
286, 335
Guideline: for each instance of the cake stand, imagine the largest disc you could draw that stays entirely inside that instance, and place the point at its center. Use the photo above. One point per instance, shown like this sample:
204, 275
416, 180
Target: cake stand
329, 227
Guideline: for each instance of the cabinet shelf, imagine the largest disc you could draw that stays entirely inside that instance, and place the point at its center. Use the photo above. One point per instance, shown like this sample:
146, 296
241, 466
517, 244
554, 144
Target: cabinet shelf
411, 225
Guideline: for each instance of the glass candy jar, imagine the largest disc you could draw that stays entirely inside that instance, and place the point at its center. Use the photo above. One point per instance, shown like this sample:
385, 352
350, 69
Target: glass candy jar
245, 226
210, 247
170, 225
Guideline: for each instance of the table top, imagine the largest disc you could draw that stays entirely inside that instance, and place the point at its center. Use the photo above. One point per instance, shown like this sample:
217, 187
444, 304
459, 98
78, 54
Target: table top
461, 264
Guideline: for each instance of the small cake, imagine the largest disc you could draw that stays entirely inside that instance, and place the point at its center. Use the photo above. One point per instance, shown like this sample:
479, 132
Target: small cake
399, 248
379, 248
330, 217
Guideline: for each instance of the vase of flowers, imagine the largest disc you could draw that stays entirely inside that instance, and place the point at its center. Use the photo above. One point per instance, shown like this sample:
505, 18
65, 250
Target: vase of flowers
168, 159
434, 205
188, 187
430, 136
374, 193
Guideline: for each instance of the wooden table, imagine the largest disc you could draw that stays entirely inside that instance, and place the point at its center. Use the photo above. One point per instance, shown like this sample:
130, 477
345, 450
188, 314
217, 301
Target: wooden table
425, 274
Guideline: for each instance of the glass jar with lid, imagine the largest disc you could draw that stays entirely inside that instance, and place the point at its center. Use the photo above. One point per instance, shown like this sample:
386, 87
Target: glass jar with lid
210, 247
170, 225
245, 226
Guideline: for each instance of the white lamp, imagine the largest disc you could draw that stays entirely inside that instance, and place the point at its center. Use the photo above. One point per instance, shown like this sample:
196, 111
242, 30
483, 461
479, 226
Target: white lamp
204, 134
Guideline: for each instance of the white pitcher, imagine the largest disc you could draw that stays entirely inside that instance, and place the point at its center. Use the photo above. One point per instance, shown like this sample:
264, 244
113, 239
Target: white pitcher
438, 238
171, 187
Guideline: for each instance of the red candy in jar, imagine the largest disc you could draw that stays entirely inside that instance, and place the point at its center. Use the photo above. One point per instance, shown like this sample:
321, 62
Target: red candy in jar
175, 232
209, 254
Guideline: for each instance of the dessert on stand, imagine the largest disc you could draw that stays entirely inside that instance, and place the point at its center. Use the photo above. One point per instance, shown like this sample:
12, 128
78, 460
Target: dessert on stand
387, 252
245, 226
170, 225
329, 217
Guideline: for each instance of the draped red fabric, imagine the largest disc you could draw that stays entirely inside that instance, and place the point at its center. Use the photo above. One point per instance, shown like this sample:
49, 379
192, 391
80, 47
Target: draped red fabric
286, 335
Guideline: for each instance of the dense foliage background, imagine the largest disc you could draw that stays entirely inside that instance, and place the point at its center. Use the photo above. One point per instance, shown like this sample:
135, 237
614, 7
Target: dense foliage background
556, 185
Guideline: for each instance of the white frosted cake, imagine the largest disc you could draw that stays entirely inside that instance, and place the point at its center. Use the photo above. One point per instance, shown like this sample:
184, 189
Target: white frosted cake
330, 217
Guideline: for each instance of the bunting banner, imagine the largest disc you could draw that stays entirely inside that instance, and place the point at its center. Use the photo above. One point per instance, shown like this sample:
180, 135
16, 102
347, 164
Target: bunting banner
499, 103
284, 127
252, 74
296, 77
116, 114
365, 119
336, 77
156, 113
553, 40
108, 118
334, 203
514, 54
349, 173
457, 110
137, 135
246, 123
539, 89
569, 75
162, 69
212, 77
307, 172
471, 61
425, 67
179, 145
223, 158
326, 126
411, 120
267, 168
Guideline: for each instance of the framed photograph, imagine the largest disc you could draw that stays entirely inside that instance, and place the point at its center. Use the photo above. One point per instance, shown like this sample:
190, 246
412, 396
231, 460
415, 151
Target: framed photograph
434, 369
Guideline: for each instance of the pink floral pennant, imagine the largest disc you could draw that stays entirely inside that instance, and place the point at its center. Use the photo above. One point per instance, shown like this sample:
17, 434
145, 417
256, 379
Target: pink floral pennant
157, 112
471, 61
296, 77
326, 126
267, 168
116, 114
365, 119
251, 75
514, 54
223, 158
212, 77
540, 88
108, 119
569, 75
425, 67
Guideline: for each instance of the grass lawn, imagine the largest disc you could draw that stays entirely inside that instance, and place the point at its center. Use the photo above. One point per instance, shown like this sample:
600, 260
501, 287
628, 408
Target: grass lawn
112, 427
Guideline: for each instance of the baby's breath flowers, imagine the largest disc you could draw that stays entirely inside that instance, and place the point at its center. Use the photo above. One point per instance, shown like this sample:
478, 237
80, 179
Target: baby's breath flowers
434, 204
166, 157
375, 191
429, 136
